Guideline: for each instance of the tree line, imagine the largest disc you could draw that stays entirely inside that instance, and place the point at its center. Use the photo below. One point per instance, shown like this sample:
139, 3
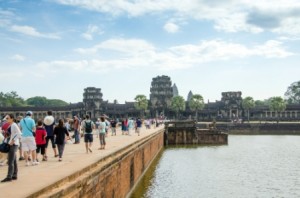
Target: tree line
12, 99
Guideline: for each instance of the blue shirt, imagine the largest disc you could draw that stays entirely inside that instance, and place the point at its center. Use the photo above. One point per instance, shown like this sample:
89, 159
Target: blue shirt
50, 129
139, 123
130, 124
27, 126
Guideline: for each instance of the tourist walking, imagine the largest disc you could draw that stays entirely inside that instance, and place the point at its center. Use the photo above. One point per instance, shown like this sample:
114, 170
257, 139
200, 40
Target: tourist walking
138, 126
124, 126
147, 123
13, 141
87, 126
130, 125
102, 133
60, 133
76, 130
113, 125
49, 124
27, 125
40, 139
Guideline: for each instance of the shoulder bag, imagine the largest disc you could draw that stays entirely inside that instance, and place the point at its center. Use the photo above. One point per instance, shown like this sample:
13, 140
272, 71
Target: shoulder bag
5, 147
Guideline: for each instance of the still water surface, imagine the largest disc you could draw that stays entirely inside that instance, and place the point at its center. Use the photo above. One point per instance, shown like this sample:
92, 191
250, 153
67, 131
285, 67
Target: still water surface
249, 166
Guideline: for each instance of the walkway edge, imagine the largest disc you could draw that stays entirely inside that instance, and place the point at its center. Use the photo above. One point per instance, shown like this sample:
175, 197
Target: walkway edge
67, 184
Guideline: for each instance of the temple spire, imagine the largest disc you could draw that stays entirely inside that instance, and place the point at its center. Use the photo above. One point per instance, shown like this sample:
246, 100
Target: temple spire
190, 95
175, 90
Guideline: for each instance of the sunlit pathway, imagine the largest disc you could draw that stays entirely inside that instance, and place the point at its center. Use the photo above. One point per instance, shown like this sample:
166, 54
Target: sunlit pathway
33, 178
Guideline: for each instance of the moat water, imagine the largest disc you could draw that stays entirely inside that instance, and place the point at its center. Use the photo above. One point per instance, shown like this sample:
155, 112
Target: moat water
249, 166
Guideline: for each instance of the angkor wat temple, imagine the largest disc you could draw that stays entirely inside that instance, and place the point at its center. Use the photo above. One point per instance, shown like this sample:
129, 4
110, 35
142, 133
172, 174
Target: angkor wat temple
161, 93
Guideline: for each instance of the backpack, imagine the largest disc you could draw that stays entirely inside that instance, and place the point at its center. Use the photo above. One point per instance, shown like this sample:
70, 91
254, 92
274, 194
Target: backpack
88, 127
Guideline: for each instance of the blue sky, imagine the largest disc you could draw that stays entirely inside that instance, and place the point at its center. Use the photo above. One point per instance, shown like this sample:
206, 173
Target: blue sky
56, 48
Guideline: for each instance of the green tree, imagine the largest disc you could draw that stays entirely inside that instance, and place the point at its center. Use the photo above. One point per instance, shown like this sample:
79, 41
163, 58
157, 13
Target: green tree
265, 102
37, 101
141, 103
40, 101
248, 103
277, 104
196, 103
11, 99
178, 104
56, 103
293, 93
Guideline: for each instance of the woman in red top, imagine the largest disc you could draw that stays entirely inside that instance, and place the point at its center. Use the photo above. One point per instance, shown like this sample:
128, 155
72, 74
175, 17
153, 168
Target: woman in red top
40, 139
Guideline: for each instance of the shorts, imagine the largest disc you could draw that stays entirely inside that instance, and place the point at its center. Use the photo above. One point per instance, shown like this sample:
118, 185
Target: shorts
41, 148
51, 138
113, 129
28, 144
88, 138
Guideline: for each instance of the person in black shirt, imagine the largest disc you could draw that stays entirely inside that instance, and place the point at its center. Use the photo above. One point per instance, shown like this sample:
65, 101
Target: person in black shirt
60, 133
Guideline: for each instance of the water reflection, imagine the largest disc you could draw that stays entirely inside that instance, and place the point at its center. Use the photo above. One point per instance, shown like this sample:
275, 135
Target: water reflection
249, 166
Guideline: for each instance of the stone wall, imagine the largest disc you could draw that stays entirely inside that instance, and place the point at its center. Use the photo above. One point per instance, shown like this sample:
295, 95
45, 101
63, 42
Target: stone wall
185, 136
112, 176
186, 132
259, 128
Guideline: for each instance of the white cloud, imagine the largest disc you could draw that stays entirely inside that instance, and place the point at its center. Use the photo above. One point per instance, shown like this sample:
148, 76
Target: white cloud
8, 18
230, 16
135, 53
87, 36
216, 50
5, 17
272, 49
171, 27
56, 66
7, 75
130, 46
92, 29
18, 57
27, 30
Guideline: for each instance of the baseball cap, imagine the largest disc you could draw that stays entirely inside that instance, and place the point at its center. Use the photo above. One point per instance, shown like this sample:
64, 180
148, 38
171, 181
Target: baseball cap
29, 113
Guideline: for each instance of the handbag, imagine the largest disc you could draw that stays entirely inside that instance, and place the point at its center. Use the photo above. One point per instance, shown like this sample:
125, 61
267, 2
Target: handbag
4, 147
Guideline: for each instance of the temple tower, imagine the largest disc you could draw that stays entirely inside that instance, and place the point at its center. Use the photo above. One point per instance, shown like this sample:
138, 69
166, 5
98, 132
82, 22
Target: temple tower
232, 104
92, 99
161, 93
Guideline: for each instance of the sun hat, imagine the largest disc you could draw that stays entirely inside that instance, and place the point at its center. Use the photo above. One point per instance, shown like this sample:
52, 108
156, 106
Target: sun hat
48, 120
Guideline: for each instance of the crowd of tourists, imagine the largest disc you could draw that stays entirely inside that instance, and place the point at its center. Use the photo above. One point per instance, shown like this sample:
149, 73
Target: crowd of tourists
32, 138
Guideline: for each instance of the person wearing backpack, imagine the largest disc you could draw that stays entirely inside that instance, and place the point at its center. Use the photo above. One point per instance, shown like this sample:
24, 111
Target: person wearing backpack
87, 127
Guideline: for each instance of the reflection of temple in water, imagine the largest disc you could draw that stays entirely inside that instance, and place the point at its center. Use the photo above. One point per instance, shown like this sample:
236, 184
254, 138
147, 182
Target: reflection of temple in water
161, 93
